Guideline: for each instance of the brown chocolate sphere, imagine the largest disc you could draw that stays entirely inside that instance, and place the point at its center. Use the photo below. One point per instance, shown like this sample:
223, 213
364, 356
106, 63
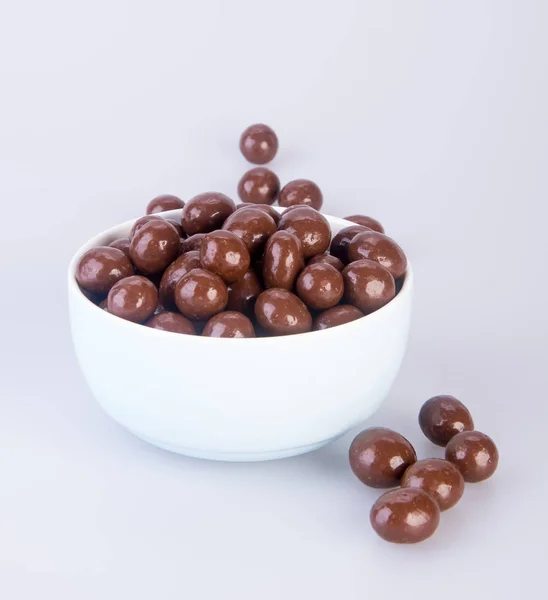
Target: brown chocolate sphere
269, 210
122, 244
243, 294
366, 222
177, 225
229, 324
280, 312
200, 294
100, 268
259, 144
171, 321
405, 516
301, 191
133, 298
252, 226
154, 246
327, 259
194, 242
320, 286
439, 478
282, 260
206, 212
259, 186
143, 221
163, 203
310, 227
340, 242
376, 246
367, 285
224, 254
474, 454
338, 315
179, 267
442, 417
379, 457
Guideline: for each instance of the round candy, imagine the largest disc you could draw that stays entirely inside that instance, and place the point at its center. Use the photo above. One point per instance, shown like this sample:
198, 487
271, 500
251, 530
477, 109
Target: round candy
154, 246
206, 212
194, 242
259, 144
442, 417
439, 478
328, 259
474, 454
200, 294
339, 244
380, 248
405, 516
301, 191
366, 222
133, 298
338, 315
170, 321
252, 226
310, 227
122, 244
179, 267
143, 221
379, 457
259, 186
229, 324
177, 226
224, 254
367, 285
282, 260
100, 268
243, 294
280, 312
163, 203
320, 286
269, 210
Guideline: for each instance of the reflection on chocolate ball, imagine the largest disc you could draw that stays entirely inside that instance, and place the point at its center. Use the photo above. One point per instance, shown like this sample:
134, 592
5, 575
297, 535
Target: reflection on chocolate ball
320, 286
252, 226
282, 260
259, 186
229, 324
474, 454
100, 268
259, 144
311, 227
376, 246
340, 242
269, 210
163, 203
179, 267
133, 298
280, 312
301, 191
154, 246
206, 212
367, 285
200, 294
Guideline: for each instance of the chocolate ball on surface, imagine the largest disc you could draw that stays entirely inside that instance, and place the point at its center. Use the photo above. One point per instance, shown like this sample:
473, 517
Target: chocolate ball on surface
369, 222
301, 191
474, 454
442, 417
179, 267
252, 226
438, 478
122, 244
100, 268
194, 242
163, 203
405, 516
320, 286
282, 260
133, 298
259, 144
259, 186
310, 227
367, 285
200, 294
338, 315
379, 457
154, 246
206, 212
269, 210
340, 242
229, 324
327, 259
280, 312
376, 246
243, 294
171, 321
142, 221
224, 254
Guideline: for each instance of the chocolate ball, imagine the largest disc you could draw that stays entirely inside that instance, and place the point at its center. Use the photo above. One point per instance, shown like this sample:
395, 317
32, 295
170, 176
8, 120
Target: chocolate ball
177, 225
367, 285
442, 417
280, 312
438, 478
282, 260
194, 242
154, 247
243, 294
206, 212
301, 191
224, 254
133, 298
100, 268
122, 244
474, 454
229, 324
369, 222
310, 227
142, 221
376, 246
259, 144
201, 294
327, 259
379, 457
171, 321
179, 267
259, 186
269, 210
252, 226
320, 286
405, 516
338, 315
163, 203
340, 242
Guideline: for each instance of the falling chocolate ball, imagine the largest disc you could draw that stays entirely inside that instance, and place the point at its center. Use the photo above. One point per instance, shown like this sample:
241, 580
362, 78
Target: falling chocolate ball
259, 144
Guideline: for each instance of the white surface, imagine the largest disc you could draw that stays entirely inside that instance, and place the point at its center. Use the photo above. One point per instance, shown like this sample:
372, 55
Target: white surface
432, 117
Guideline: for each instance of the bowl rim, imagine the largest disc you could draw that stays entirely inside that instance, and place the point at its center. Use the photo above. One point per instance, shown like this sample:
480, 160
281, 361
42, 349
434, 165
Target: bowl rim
74, 288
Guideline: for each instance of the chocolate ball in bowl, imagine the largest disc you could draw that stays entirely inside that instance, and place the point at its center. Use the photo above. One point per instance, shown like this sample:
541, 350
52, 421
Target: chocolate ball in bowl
301, 191
194, 242
259, 143
282, 260
280, 312
206, 212
243, 294
259, 186
122, 244
179, 267
269, 210
143, 221
154, 246
171, 321
376, 246
229, 324
134, 298
200, 294
338, 315
367, 285
369, 222
311, 227
100, 268
340, 242
253, 227
326, 258
320, 286
163, 203
224, 253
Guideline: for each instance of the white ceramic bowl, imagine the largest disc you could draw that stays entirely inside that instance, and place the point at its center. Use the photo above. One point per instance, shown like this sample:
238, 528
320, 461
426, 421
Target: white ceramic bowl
237, 399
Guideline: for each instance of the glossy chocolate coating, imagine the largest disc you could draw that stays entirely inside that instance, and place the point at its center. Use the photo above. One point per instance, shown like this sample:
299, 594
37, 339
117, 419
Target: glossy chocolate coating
367, 285
338, 315
259, 186
282, 260
177, 226
301, 191
442, 417
327, 259
439, 478
379, 457
259, 144
171, 321
229, 324
100, 268
179, 267
194, 242
143, 221
122, 244
380, 248
163, 203
405, 516
474, 454
133, 298
224, 254
206, 212
154, 246
366, 222
320, 286
243, 294
200, 294
339, 244
269, 210
252, 226
280, 312
310, 227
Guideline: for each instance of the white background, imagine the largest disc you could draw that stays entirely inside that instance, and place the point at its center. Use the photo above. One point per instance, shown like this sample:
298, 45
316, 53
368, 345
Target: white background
432, 117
